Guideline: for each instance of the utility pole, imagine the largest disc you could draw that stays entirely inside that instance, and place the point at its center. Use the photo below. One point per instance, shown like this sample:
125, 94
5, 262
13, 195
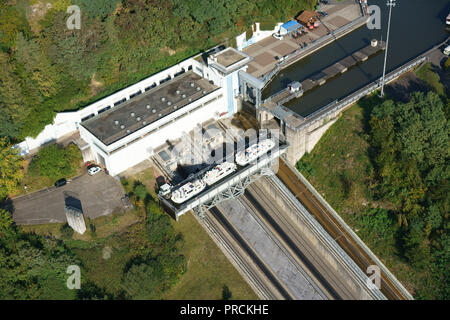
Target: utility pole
390, 4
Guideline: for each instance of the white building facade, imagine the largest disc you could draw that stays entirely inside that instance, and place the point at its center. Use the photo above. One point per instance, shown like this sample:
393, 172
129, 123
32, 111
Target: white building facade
220, 68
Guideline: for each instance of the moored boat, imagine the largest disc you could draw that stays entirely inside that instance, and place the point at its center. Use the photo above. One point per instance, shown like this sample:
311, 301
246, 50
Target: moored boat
188, 190
219, 171
254, 151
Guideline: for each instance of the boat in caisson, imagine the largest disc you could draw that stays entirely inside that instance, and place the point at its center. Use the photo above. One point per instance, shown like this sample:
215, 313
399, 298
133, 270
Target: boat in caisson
254, 151
218, 172
188, 190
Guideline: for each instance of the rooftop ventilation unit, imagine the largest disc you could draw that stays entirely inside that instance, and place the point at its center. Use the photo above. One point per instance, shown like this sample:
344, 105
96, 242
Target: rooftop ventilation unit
122, 127
132, 114
148, 107
128, 131
154, 111
204, 91
183, 96
163, 99
144, 122
178, 91
189, 99
174, 107
198, 88
138, 119
116, 122
159, 115
169, 103
192, 84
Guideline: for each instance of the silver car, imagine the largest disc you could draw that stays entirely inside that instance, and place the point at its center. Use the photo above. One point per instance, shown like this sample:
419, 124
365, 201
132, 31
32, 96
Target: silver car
93, 170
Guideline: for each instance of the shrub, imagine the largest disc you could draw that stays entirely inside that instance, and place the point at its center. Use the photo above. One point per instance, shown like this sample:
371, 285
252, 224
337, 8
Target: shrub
66, 231
447, 64
56, 162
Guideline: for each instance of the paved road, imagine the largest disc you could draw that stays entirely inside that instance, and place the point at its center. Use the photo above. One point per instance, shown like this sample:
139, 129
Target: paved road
99, 195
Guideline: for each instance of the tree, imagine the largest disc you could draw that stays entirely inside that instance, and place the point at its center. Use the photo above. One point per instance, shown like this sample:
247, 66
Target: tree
226, 293
10, 169
5, 221
55, 162
144, 281
66, 231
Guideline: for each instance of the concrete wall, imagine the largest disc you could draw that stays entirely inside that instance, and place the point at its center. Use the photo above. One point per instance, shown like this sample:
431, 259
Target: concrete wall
303, 141
258, 35
334, 266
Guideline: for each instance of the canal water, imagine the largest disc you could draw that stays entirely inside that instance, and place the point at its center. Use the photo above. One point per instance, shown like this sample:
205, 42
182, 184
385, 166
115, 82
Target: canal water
416, 26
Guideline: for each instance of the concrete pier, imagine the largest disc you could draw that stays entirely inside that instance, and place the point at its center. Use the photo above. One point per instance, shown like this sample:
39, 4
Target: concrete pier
302, 133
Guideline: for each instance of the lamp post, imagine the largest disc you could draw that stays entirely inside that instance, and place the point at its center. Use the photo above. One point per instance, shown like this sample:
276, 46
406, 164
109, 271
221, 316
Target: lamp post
390, 4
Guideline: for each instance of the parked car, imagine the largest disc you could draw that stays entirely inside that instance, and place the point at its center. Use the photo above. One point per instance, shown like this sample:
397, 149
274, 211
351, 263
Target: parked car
322, 13
93, 170
60, 182
325, 1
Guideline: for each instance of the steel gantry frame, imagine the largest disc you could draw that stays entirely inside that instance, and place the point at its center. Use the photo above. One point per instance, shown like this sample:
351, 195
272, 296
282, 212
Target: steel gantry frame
234, 191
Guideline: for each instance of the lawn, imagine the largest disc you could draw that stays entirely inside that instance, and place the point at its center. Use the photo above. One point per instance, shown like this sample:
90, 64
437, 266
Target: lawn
108, 246
431, 78
208, 270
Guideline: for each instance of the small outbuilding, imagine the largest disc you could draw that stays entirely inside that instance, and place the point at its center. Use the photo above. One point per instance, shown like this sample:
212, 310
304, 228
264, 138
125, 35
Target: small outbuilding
307, 18
295, 86
289, 27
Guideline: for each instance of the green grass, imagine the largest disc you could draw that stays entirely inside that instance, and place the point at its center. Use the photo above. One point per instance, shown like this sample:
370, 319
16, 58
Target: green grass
340, 169
123, 235
36, 182
208, 270
431, 78
340, 164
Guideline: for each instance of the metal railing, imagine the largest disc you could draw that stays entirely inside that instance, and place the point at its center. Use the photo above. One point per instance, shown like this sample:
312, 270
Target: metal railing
299, 53
334, 248
336, 105
350, 232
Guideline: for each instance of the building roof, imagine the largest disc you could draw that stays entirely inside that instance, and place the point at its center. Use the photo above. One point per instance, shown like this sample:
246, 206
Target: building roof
290, 26
148, 107
306, 16
229, 60
229, 57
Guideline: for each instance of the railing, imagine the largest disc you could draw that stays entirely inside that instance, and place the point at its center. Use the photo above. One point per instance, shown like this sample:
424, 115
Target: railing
350, 232
335, 249
337, 105
311, 47
275, 95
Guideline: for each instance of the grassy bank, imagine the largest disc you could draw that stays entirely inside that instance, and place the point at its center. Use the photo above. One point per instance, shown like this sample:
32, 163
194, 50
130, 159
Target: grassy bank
341, 169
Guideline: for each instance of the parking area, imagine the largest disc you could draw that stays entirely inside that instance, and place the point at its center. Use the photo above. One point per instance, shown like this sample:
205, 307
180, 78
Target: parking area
99, 195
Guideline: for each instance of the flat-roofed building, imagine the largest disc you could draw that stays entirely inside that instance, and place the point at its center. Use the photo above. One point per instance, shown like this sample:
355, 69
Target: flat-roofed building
127, 134
122, 130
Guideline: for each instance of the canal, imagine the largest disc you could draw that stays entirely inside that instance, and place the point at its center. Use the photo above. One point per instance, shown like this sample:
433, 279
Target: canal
416, 26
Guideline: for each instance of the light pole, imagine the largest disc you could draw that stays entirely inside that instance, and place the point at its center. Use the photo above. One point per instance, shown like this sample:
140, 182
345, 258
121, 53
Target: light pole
390, 4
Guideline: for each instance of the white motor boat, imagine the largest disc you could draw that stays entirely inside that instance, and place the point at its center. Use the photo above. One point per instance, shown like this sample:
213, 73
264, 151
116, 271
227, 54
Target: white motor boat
218, 172
188, 190
254, 152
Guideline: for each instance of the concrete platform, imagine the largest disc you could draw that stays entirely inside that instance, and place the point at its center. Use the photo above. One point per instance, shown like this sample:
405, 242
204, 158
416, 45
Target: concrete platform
266, 50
